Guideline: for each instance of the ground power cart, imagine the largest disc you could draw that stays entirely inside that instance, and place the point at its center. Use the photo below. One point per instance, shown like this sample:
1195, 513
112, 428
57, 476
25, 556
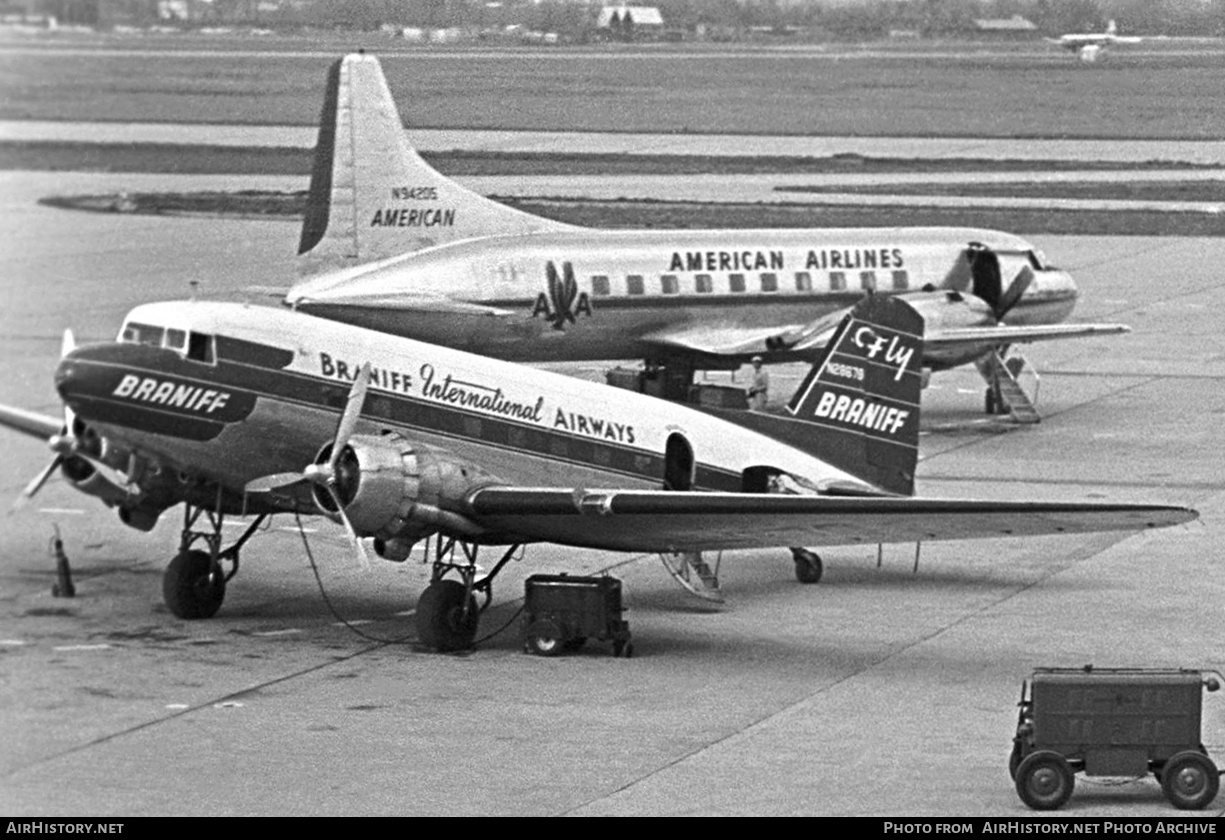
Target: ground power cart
1113, 722
561, 612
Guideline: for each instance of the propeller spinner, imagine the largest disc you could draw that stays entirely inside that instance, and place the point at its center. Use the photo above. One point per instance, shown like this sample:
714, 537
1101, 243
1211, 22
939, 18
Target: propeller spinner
328, 474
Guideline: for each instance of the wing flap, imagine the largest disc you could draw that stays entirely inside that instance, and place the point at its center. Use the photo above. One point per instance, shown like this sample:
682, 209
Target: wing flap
680, 521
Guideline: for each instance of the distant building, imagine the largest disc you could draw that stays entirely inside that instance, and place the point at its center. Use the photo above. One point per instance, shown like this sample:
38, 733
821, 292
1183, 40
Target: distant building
1013, 27
628, 23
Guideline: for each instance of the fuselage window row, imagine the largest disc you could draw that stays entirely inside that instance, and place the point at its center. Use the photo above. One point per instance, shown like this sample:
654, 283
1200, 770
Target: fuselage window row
769, 283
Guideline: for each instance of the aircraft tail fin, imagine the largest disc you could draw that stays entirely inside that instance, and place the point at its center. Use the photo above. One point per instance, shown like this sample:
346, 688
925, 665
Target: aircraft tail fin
863, 393
858, 407
1111, 29
371, 195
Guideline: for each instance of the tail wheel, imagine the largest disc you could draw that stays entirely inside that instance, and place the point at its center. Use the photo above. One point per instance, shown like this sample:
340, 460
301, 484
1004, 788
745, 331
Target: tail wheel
193, 587
1190, 780
443, 623
1044, 780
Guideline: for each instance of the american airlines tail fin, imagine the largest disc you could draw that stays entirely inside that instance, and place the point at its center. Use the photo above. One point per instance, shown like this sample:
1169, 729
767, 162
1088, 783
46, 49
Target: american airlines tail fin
858, 408
371, 195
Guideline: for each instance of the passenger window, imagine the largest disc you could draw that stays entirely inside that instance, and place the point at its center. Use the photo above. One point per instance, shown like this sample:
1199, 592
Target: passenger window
633, 284
703, 284
837, 281
600, 286
736, 281
769, 282
200, 348
668, 284
867, 281
803, 281
901, 280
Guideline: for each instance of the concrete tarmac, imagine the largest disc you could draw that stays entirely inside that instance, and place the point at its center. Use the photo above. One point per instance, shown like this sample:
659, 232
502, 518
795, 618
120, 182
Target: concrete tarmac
884, 691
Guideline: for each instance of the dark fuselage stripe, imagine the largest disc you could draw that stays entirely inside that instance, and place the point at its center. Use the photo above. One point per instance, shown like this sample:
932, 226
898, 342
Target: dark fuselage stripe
407, 414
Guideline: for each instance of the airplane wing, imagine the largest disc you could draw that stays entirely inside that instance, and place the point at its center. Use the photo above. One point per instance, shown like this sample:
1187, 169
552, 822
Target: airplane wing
30, 423
808, 339
663, 521
1004, 334
719, 341
430, 303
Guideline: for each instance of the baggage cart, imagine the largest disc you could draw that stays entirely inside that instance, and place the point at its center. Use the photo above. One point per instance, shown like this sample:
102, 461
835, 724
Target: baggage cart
1113, 722
561, 612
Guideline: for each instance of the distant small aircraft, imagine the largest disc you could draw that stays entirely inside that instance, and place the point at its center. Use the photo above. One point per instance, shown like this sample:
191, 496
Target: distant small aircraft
415, 254
235, 410
1089, 45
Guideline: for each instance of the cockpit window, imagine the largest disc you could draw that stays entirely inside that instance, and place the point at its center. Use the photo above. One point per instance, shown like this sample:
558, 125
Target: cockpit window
198, 347
142, 334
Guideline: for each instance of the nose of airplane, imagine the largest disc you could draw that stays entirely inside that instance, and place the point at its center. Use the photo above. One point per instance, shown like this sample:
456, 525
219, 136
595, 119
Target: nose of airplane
1050, 298
65, 374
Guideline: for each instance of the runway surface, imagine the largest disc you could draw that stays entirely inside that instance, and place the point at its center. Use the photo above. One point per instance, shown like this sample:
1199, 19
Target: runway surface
884, 690
1207, 152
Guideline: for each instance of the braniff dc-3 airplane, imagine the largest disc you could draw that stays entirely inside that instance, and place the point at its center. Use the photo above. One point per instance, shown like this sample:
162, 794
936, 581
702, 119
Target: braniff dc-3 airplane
1089, 45
394, 245
239, 410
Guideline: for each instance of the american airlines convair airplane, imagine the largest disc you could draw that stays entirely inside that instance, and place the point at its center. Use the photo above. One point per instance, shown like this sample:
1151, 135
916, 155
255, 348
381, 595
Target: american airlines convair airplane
415, 254
236, 410
1088, 45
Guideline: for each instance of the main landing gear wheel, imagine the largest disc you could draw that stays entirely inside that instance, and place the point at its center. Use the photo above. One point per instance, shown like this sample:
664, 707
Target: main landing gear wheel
1190, 780
193, 586
1044, 780
808, 566
442, 621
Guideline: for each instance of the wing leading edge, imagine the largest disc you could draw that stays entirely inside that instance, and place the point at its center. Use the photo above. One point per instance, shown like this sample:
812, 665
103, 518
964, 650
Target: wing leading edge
658, 521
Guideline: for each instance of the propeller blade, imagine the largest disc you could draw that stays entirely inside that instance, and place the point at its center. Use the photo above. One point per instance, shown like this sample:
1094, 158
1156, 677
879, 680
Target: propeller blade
1014, 292
36, 484
362, 557
276, 481
108, 472
352, 413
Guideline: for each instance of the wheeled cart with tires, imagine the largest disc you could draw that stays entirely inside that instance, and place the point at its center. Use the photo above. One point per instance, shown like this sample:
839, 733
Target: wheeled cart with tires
561, 612
1113, 722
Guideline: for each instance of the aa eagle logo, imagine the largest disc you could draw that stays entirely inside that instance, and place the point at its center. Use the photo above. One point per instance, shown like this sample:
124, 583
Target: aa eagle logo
563, 301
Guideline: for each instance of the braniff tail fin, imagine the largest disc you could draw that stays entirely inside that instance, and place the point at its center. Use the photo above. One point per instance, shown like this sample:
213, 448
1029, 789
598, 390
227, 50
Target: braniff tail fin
858, 407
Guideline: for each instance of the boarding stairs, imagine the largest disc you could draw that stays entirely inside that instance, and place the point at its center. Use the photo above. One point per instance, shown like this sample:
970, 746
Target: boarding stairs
1004, 379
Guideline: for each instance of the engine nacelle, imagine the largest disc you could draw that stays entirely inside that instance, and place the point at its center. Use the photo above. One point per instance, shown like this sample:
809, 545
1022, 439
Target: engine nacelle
948, 310
399, 492
140, 517
83, 477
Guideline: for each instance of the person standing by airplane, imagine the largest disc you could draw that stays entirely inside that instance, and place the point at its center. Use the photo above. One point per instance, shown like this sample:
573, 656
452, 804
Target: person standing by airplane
759, 391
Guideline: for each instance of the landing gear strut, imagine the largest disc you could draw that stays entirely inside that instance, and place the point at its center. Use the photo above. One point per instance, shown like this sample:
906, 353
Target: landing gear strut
447, 611
193, 585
